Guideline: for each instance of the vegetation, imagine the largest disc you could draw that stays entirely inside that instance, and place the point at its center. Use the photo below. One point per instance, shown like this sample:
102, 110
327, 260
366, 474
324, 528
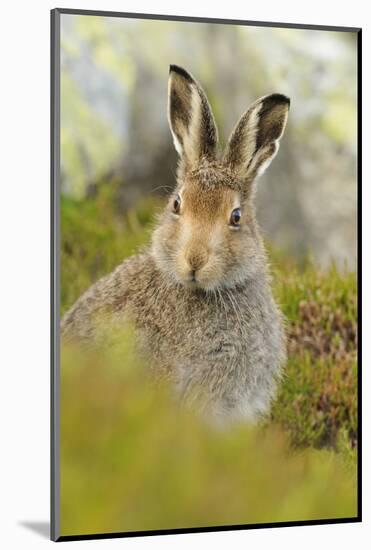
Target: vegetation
96, 237
317, 403
130, 460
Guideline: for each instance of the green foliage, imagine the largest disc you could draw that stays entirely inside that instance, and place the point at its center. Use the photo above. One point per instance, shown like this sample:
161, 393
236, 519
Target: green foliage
131, 460
317, 401
96, 237
317, 398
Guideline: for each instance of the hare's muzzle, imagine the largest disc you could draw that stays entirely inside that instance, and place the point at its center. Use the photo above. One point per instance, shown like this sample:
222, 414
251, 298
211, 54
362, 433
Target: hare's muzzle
192, 261
196, 260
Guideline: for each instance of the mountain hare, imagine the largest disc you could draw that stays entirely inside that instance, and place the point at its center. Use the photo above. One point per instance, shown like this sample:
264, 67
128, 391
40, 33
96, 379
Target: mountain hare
200, 295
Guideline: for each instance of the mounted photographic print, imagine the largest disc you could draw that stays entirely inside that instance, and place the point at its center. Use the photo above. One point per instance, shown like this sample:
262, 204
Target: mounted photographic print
205, 203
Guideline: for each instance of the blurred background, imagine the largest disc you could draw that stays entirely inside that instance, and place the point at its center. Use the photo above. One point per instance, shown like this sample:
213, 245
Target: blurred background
114, 129
129, 459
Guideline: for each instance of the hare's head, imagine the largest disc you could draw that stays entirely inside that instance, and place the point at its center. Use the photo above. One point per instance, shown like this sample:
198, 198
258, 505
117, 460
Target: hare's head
208, 237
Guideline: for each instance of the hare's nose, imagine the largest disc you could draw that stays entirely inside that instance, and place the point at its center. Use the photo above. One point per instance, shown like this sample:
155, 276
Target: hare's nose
196, 261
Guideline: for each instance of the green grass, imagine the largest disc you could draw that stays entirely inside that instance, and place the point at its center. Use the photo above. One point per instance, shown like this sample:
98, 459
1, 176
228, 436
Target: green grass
131, 460
95, 238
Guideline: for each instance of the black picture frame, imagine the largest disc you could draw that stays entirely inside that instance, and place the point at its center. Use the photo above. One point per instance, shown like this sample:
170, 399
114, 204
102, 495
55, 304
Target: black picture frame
55, 271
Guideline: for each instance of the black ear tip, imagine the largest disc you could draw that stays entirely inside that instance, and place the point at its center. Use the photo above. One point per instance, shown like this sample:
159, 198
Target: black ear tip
180, 71
288, 101
276, 99
280, 98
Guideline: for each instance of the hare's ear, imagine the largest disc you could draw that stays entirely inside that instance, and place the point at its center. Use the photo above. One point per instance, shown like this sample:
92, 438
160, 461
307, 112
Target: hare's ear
254, 141
190, 118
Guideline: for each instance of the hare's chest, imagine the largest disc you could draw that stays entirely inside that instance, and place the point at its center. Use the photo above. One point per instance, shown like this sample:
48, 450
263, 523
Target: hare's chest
206, 334
210, 330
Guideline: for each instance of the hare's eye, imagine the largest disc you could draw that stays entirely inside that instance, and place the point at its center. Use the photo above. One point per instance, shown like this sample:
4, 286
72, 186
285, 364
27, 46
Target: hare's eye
235, 217
176, 204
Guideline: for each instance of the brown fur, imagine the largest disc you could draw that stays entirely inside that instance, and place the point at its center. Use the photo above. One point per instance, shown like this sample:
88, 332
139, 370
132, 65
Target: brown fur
200, 296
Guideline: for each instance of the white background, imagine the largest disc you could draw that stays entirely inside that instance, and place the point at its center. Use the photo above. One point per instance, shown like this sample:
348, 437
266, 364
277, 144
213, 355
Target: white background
24, 268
